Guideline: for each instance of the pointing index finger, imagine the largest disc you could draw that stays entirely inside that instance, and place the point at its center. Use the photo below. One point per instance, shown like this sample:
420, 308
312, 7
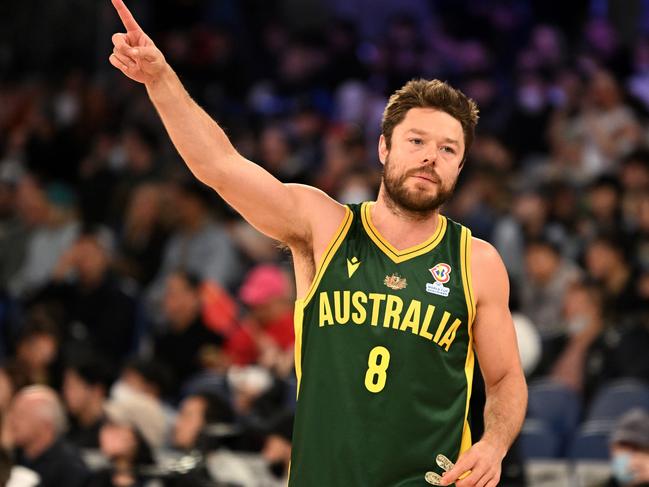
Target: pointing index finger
126, 16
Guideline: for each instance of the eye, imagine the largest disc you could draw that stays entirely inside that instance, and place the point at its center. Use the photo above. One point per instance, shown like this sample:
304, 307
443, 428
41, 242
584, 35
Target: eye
416, 141
448, 149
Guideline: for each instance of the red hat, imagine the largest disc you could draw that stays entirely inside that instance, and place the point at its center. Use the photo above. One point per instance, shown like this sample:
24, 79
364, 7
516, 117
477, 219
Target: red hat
264, 283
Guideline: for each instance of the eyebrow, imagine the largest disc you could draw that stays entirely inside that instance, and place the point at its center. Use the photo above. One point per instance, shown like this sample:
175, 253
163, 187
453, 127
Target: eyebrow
447, 140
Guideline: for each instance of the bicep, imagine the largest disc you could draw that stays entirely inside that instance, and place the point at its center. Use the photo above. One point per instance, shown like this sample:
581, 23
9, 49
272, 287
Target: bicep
285, 212
493, 330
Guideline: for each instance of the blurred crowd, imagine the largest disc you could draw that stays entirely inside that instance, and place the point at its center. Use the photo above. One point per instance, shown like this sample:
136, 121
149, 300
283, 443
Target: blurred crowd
141, 317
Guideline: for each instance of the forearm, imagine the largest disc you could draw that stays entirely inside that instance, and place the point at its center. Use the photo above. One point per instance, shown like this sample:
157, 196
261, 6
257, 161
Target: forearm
198, 138
505, 411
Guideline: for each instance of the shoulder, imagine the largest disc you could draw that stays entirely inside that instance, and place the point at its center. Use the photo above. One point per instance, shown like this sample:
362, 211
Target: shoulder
488, 270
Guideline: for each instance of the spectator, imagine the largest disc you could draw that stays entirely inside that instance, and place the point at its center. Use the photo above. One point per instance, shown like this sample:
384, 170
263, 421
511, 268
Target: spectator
200, 244
198, 411
49, 213
630, 450
36, 424
186, 341
143, 235
99, 309
606, 263
134, 428
86, 382
267, 336
548, 276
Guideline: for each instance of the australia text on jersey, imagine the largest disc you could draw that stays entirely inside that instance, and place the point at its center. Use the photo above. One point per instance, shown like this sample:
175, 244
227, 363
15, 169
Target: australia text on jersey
388, 311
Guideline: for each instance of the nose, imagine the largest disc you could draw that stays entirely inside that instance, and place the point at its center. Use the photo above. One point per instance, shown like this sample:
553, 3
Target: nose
430, 157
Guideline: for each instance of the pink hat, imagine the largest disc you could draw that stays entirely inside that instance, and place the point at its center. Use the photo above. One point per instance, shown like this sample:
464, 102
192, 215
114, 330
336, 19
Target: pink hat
263, 283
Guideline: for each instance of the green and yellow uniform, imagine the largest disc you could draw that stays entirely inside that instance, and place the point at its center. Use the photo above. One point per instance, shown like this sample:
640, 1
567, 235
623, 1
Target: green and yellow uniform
384, 358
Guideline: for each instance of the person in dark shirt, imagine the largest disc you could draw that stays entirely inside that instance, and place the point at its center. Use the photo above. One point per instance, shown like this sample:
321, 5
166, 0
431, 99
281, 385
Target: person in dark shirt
100, 310
187, 339
36, 422
86, 382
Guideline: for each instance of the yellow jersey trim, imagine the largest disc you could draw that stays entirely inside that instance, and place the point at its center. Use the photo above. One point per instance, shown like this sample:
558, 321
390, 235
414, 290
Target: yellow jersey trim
465, 259
298, 320
398, 256
301, 304
329, 253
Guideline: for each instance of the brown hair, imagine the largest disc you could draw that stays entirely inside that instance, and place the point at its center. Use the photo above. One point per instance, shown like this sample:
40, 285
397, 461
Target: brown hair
422, 93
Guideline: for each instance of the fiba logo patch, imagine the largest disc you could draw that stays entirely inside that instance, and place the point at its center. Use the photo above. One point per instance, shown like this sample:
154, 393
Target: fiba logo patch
442, 274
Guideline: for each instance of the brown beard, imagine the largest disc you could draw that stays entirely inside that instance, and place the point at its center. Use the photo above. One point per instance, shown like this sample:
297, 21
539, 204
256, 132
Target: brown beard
416, 203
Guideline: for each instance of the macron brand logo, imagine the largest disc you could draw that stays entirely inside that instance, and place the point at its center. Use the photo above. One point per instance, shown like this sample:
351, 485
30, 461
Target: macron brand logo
352, 266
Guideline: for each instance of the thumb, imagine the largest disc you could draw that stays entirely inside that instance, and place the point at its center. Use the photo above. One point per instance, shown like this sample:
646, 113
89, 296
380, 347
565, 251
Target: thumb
147, 53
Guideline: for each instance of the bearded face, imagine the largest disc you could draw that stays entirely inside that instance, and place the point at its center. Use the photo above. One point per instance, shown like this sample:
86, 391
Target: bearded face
419, 197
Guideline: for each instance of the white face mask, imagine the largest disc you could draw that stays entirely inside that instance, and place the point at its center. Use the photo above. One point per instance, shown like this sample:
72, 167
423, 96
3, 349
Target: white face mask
621, 468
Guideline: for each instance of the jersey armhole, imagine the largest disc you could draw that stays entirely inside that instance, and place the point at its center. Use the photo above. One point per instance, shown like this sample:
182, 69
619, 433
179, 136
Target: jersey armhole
465, 262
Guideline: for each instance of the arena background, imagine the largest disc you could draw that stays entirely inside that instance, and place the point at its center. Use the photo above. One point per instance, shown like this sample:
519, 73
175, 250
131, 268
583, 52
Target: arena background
127, 287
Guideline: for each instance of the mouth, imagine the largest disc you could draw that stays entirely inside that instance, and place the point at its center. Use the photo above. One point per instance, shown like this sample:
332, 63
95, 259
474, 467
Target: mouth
425, 177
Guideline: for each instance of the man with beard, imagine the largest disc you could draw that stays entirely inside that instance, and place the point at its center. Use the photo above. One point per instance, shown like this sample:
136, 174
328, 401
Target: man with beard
391, 304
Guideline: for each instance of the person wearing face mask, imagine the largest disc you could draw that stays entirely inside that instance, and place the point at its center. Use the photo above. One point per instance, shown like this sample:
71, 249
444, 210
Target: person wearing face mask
630, 450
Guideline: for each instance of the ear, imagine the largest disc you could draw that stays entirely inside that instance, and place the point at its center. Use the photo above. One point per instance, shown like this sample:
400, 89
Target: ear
383, 149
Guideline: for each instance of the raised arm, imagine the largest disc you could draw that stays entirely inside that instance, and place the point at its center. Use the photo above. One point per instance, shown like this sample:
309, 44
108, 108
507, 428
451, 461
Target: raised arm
286, 212
497, 351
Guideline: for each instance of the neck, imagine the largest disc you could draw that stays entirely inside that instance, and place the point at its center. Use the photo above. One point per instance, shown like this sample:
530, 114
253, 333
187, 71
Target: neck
403, 229
385, 204
39, 445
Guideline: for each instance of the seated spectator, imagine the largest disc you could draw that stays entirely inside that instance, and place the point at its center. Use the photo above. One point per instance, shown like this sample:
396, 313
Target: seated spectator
607, 264
186, 341
198, 411
36, 424
267, 335
86, 383
548, 277
134, 428
199, 244
150, 379
584, 321
50, 215
630, 450
99, 309
36, 352
143, 235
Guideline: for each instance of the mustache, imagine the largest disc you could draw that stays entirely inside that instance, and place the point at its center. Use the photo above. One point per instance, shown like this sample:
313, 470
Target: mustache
428, 172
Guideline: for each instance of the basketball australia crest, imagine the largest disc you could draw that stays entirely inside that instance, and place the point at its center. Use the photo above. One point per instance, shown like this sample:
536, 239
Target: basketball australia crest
442, 274
395, 281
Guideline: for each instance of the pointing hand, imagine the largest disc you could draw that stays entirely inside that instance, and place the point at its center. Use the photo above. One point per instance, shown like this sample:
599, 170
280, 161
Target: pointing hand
134, 53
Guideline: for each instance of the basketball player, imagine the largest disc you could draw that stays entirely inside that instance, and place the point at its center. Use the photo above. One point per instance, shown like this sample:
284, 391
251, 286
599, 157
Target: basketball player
393, 298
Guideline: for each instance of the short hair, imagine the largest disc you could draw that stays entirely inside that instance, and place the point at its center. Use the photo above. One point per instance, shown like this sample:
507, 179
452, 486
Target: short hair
422, 93
93, 369
49, 406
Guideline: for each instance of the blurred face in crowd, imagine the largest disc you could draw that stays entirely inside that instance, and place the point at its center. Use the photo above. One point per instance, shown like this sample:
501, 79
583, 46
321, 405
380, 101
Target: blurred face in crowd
92, 259
33, 416
37, 350
76, 392
541, 263
601, 260
424, 160
189, 422
144, 207
603, 202
630, 464
117, 441
181, 303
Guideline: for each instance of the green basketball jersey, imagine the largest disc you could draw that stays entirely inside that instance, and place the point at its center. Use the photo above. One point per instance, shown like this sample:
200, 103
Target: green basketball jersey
384, 358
